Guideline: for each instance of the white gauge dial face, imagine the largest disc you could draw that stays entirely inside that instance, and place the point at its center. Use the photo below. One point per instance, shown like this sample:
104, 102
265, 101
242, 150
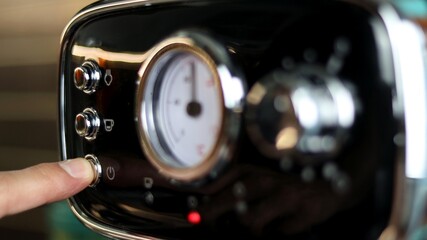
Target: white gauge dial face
184, 105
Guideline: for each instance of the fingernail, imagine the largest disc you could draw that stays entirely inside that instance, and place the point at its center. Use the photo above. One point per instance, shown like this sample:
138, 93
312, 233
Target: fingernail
77, 168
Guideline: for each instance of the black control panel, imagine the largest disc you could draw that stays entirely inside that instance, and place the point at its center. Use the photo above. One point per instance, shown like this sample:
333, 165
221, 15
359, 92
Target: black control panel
242, 119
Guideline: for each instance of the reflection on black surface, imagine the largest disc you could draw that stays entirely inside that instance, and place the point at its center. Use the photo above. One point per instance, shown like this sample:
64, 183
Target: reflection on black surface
254, 196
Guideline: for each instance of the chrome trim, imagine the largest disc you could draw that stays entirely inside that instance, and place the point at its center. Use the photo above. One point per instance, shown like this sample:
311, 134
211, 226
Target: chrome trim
102, 228
110, 6
408, 54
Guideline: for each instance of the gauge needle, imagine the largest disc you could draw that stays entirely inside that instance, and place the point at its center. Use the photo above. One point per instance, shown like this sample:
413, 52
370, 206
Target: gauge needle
194, 108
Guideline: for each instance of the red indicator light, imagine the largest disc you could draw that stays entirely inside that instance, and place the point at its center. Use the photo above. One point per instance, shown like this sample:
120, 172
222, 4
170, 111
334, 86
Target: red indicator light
194, 217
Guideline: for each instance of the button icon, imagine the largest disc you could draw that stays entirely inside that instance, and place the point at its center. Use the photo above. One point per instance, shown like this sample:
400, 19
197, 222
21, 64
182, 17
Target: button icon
108, 78
192, 202
149, 198
111, 173
108, 125
148, 182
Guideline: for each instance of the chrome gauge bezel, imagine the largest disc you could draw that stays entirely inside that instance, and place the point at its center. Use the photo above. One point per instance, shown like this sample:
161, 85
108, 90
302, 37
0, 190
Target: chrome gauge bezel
232, 91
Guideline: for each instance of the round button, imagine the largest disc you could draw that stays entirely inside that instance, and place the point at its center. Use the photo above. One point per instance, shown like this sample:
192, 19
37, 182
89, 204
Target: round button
81, 77
87, 124
87, 76
96, 167
306, 111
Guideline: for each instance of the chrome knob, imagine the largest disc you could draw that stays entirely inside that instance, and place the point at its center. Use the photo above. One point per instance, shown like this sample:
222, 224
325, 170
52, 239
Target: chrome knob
96, 167
87, 124
87, 76
307, 111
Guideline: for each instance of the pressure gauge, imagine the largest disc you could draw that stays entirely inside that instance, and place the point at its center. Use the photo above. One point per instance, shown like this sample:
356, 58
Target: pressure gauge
189, 102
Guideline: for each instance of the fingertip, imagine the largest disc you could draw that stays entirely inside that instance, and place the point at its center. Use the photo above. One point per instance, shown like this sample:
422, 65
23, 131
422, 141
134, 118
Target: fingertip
79, 168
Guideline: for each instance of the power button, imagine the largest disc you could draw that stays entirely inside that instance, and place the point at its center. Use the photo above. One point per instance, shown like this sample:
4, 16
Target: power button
96, 167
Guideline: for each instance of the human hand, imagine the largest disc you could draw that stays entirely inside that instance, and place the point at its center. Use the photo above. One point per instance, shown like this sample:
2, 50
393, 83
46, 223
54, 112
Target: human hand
35, 186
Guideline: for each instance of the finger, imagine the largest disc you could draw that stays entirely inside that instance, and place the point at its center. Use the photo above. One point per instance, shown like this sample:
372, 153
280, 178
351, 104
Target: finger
44, 183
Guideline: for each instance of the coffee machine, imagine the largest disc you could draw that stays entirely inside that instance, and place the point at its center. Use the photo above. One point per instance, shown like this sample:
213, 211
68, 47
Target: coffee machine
206, 119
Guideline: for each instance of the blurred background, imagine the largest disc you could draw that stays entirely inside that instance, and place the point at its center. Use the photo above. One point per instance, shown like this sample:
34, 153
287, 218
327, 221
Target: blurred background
30, 34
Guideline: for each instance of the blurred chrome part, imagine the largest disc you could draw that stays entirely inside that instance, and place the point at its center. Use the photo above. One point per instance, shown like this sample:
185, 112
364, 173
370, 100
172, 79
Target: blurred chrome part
307, 111
87, 76
411, 72
87, 123
410, 108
